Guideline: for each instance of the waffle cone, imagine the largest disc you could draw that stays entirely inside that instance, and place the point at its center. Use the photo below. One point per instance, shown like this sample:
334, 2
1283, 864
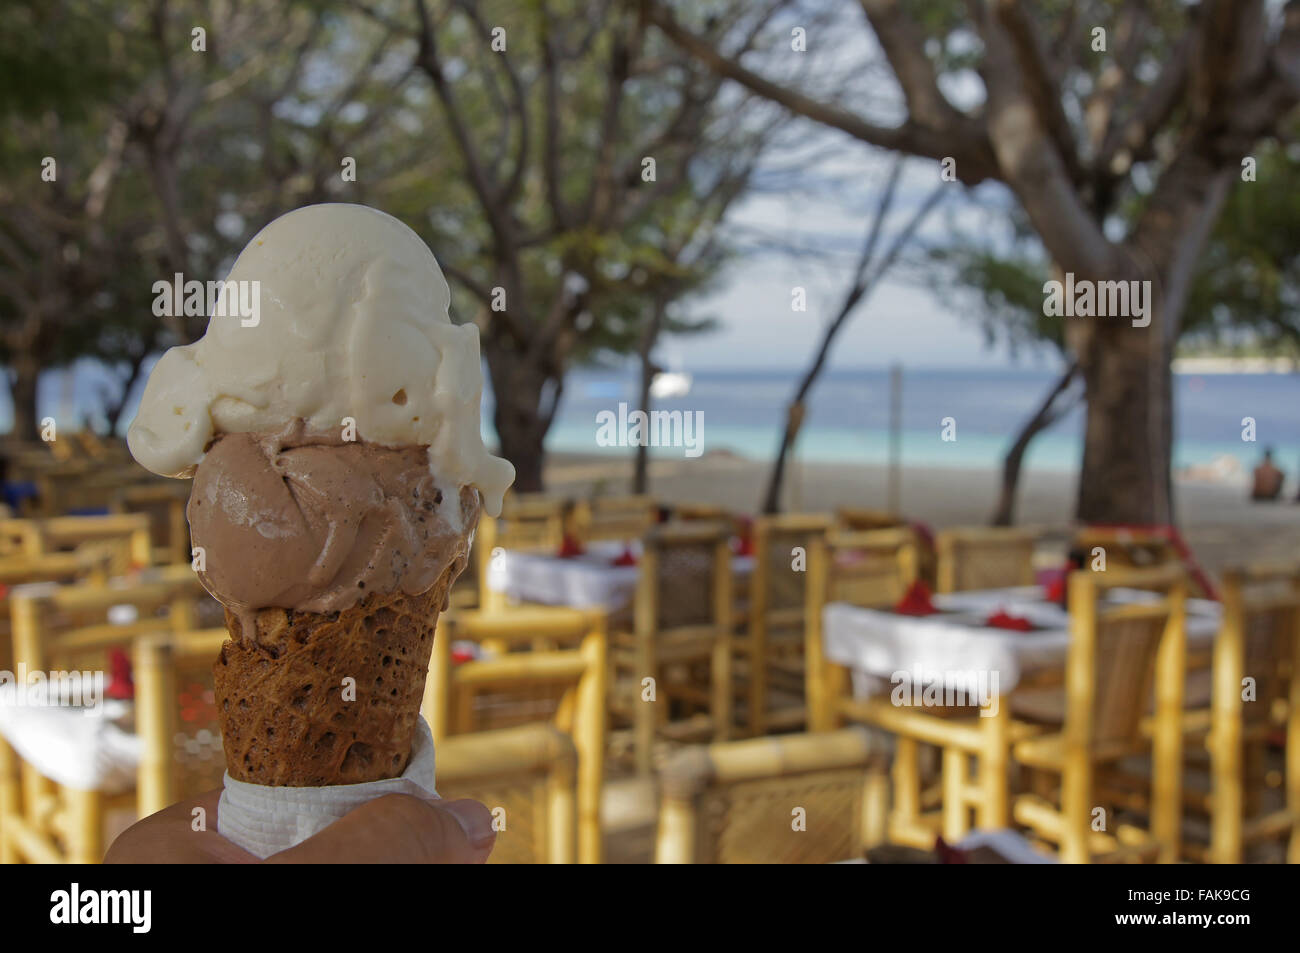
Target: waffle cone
287, 717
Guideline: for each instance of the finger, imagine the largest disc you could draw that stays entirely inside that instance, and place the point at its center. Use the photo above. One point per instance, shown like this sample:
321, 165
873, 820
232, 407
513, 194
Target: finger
400, 829
184, 833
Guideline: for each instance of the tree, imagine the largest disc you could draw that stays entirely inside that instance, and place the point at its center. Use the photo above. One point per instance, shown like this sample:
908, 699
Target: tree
1246, 291
867, 274
572, 135
1083, 107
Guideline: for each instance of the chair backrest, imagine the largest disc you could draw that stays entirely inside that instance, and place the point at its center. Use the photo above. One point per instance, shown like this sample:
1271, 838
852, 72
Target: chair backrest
128, 533
614, 517
810, 798
871, 568
1112, 658
72, 627
551, 665
865, 568
532, 521
685, 578
527, 777
776, 584
1261, 619
985, 558
860, 519
176, 716
163, 503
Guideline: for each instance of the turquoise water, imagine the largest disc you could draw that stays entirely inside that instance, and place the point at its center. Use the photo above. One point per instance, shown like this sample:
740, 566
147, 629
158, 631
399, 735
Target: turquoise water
848, 415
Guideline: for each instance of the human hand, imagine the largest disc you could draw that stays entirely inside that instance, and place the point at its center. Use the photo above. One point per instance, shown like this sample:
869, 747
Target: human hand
394, 829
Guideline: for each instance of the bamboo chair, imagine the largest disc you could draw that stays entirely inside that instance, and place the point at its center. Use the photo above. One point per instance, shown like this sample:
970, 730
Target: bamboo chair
163, 503
1260, 638
682, 622
777, 600
67, 629
614, 517
1261, 623
528, 523
176, 717
129, 533
873, 569
806, 799
984, 558
527, 777
554, 669
1116, 655
861, 519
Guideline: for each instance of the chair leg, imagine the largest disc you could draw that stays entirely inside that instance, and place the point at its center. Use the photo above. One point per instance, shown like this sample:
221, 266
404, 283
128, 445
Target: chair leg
86, 825
1076, 809
954, 795
906, 774
721, 671
10, 800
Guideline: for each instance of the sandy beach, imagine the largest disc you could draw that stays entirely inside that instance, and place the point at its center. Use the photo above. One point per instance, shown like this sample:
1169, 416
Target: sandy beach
1221, 525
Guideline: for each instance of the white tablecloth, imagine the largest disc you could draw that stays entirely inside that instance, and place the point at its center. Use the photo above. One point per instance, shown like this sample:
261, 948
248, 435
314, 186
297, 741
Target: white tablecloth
876, 644
82, 748
587, 581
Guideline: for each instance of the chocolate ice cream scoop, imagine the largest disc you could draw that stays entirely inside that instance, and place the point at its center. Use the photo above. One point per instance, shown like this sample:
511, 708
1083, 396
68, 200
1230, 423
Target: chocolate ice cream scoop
313, 524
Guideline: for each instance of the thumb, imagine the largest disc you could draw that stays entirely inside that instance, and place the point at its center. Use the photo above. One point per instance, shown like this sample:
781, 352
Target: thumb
400, 829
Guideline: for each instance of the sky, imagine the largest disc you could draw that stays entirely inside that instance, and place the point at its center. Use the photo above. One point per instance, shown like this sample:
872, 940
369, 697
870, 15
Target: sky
902, 321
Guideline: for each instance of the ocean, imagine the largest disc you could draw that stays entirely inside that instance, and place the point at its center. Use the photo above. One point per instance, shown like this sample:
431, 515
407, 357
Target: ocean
848, 414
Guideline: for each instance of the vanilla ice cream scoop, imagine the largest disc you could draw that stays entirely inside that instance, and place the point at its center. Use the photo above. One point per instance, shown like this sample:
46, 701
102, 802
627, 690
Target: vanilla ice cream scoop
351, 323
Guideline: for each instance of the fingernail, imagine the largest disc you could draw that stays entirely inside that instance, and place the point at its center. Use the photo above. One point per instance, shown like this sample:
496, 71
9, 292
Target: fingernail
474, 819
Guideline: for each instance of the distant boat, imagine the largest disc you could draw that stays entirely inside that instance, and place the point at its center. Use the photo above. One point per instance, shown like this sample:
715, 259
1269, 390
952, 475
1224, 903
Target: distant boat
670, 384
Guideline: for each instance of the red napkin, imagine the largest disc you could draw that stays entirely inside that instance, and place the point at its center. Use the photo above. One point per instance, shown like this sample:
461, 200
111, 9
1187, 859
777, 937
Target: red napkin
1003, 620
120, 684
625, 558
570, 547
948, 854
743, 544
916, 601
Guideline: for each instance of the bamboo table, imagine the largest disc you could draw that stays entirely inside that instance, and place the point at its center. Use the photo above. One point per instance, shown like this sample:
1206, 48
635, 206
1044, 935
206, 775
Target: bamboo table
964, 658
588, 581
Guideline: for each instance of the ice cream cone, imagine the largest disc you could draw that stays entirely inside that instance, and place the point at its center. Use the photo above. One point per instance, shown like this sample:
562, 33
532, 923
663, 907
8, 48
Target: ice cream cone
289, 715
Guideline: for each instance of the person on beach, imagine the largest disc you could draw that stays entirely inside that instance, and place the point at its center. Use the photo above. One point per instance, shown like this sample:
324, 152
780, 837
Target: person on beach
1268, 479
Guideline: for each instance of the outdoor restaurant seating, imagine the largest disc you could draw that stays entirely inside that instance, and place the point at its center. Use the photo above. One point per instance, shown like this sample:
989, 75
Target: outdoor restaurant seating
527, 665
792, 623
528, 777
755, 801
681, 639
62, 769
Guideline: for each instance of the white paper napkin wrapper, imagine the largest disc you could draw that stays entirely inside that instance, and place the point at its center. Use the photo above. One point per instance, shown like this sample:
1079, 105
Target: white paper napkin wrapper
265, 820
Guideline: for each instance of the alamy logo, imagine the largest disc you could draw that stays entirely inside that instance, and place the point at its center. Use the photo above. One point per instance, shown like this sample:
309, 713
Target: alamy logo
1098, 299
927, 688
658, 428
72, 906
218, 299
36, 689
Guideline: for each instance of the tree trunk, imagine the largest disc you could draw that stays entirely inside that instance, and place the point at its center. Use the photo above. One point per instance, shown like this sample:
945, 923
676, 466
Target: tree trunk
641, 478
793, 421
1047, 414
23, 381
520, 420
1127, 444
